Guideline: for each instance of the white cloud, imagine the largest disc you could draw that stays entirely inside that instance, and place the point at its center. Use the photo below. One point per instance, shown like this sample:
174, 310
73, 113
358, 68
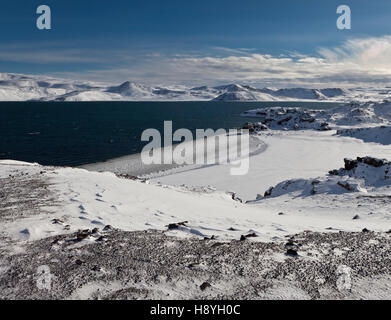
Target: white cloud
357, 62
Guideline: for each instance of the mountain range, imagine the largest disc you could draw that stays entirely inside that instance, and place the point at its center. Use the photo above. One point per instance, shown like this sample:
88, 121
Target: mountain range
19, 87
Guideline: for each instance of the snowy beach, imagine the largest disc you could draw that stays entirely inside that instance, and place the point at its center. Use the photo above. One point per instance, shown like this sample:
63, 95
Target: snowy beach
308, 182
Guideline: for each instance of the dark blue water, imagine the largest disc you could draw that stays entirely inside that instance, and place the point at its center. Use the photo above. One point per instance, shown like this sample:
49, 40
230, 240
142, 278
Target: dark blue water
76, 133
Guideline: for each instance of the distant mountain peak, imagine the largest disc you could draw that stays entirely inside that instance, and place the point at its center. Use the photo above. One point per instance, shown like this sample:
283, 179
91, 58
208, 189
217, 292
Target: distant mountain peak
19, 87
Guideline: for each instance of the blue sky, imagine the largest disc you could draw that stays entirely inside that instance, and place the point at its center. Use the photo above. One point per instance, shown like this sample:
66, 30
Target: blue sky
196, 42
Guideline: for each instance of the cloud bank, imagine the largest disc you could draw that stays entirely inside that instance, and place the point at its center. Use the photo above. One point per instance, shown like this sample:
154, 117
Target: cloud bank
357, 62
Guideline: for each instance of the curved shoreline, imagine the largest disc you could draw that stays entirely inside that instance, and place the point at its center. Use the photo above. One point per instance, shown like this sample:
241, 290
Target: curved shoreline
132, 164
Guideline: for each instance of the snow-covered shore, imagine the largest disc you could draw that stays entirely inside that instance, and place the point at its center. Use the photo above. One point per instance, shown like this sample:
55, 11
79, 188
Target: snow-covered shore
328, 182
295, 152
287, 155
299, 143
204, 196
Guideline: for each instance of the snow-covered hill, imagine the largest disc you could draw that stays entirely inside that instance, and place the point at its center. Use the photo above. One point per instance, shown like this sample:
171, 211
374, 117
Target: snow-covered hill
248, 93
288, 119
353, 117
18, 87
365, 174
380, 134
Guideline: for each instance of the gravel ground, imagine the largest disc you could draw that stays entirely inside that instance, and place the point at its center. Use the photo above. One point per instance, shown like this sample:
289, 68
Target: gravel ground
23, 194
114, 264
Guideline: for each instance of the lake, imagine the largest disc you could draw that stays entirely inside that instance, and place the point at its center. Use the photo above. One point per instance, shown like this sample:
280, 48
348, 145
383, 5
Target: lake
77, 133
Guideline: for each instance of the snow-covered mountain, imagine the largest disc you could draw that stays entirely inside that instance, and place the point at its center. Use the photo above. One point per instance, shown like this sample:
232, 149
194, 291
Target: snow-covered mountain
18, 87
248, 93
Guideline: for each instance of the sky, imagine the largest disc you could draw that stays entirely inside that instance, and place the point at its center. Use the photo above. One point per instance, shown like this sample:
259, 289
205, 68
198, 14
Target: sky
279, 43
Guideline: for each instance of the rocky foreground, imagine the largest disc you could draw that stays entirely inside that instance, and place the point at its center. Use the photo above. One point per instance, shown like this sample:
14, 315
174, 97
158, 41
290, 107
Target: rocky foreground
113, 264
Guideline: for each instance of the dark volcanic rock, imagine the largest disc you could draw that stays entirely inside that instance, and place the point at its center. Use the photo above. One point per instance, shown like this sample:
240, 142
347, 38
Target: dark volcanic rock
291, 252
82, 234
370, 161
374, 162
350, 164
205, 285
176, 225
268, 192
